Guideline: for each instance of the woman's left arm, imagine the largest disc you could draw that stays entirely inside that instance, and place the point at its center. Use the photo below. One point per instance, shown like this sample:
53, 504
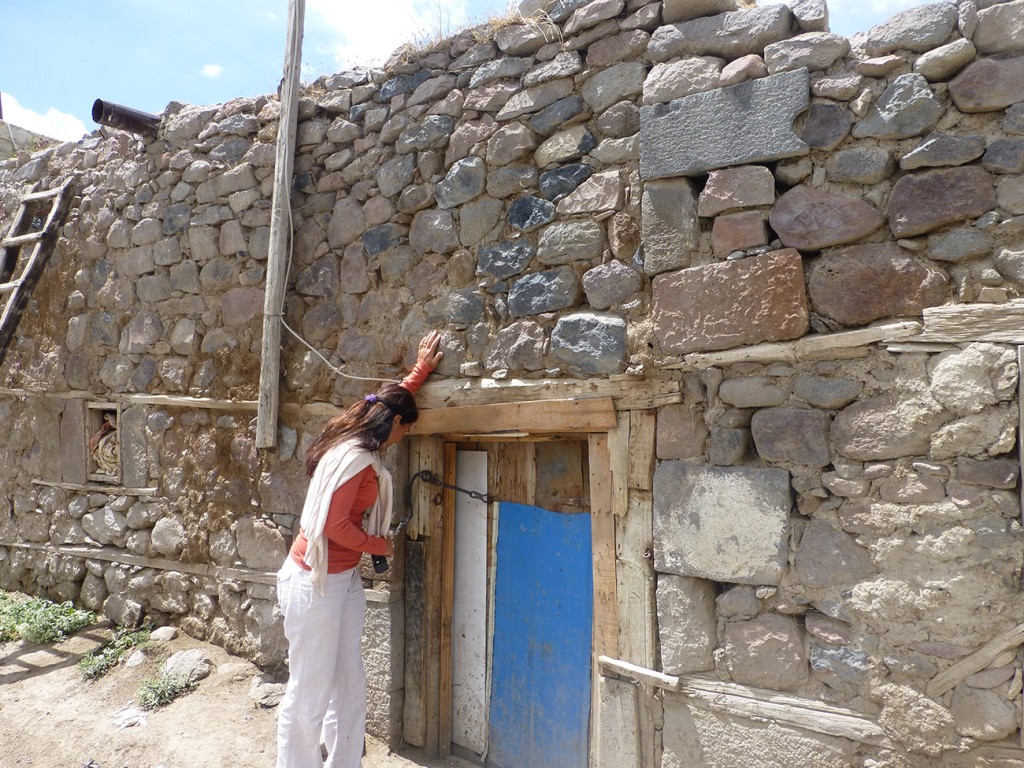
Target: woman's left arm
427, 357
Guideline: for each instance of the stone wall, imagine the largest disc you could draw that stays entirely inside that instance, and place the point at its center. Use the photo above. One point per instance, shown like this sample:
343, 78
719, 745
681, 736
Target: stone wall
614, 187
14, 139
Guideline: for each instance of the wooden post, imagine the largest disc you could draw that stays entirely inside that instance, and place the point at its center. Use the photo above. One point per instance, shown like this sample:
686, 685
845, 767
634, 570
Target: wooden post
280, 232
444, 705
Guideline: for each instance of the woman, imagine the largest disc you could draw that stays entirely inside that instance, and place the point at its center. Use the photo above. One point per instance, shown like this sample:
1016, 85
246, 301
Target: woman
319, 588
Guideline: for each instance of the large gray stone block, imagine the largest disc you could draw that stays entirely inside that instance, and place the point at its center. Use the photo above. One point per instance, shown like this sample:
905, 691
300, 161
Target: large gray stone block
686, 623
722, 523
729, 35
546, 291
747, 123
916, 29
671, 230
887, 427
590, 342
792, 435
908, 108
827, 557
767, 652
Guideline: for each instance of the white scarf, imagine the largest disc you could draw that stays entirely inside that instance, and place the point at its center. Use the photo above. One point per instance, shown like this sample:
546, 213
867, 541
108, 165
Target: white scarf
339, 465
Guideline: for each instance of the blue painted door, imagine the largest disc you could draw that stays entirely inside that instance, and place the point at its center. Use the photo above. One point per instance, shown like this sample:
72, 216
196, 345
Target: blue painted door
543, 610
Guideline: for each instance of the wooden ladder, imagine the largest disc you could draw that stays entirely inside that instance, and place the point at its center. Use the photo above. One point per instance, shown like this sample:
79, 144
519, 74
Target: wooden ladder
20, 268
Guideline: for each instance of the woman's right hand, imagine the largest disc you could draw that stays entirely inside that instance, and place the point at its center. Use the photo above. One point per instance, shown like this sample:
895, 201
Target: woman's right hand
428, 350
391, 547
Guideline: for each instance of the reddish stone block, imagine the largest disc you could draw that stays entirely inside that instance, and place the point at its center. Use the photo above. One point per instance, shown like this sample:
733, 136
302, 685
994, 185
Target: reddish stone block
921, 202
737, 232
730, 304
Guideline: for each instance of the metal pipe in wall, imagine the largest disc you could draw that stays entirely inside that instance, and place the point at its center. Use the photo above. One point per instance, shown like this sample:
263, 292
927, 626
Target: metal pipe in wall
125, 118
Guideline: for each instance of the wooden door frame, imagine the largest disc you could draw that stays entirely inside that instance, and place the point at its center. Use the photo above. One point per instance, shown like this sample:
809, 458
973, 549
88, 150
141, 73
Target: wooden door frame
436, 434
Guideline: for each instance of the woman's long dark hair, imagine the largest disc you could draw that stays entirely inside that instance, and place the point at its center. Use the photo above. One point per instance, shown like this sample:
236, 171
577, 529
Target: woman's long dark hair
369, 421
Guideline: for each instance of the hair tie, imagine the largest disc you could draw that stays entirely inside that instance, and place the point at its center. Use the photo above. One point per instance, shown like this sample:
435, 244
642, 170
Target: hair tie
370, 398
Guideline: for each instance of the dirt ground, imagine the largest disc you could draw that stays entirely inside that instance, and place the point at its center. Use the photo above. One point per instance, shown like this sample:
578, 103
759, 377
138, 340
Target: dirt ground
50, 717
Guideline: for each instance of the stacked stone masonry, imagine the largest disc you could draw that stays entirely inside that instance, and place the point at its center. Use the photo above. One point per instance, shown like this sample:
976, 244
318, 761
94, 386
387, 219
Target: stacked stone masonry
602, 189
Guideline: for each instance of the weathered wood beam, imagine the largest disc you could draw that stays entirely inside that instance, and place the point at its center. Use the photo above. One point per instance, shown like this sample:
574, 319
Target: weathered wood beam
642, 431
999, 323
280, 232
825, 346
602, 523
755, 703
444, 716
635, 581
631, 394
119, 556
976, 662
638, 673
539, 417
627, 392
120, 490
911, 347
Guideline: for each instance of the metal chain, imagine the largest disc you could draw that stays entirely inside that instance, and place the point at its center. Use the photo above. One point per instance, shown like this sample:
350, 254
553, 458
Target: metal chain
428, 476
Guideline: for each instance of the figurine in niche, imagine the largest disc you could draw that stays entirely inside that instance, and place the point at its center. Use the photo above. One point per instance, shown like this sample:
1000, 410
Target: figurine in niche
103, 446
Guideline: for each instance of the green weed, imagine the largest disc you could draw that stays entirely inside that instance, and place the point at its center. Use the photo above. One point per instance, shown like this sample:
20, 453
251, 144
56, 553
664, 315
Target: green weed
102, 660
160, 691
40, 621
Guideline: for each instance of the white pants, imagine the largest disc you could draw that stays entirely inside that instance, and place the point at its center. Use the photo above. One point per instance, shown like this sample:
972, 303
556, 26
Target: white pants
326, 690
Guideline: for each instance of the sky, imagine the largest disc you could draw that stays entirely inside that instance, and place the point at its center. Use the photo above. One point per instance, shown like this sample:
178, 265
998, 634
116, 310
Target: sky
62, 55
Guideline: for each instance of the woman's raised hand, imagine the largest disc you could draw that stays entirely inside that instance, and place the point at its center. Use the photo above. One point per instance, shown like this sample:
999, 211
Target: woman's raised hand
428, 350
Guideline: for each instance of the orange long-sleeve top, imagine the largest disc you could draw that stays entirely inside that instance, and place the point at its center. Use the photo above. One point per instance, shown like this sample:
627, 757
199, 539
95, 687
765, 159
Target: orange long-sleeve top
346, 539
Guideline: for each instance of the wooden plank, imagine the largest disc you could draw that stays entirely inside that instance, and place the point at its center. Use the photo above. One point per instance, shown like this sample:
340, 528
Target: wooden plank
177, 401
910, 347
414, 707
31, 237
740, 701
635, 581
280, 231
74, 458
628, 392
755, 703
1001, 323
434, 566
617, 739
606, 619
121, 557
610, 665
417, 499
120, 490
618, 464
513, 472
976, 662
1020, 435
642, 425
181, 401
447, 604
815, 346
651, 717
426, 515
543, 416
986, 756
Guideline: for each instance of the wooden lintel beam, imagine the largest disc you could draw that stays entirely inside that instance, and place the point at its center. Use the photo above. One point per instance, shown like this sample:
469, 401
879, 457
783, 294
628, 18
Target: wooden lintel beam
540, 417
630, 392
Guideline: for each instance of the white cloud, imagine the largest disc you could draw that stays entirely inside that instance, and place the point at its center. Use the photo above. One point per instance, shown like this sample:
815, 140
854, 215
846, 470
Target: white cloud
55, 124
212, 70
367, 33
